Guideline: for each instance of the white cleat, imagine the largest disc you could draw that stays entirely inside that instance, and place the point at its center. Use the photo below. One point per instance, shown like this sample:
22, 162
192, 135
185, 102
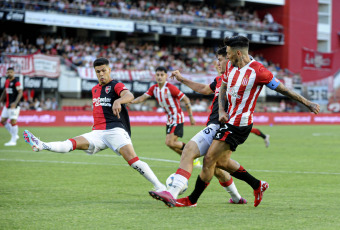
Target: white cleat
11, 143
32, 141
266, 141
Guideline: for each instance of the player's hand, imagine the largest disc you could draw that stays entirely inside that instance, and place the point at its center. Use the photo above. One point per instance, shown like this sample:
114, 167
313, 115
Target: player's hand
176, 74
313, 107
13, 105
223, 117
116, 108
192, 120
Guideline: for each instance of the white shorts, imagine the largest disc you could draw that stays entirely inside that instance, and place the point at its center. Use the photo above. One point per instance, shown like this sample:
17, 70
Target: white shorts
12, 114
112, 138
205, 137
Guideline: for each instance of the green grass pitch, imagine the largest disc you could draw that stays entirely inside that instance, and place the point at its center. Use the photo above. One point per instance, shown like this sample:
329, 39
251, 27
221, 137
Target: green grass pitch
47, 190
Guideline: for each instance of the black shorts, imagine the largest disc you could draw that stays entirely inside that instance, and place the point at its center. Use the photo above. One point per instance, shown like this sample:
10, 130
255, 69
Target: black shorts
233, 135
176, 129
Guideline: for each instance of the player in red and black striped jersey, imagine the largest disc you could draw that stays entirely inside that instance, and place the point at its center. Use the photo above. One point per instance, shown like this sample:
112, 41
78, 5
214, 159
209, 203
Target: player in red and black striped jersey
12, 94
111, 127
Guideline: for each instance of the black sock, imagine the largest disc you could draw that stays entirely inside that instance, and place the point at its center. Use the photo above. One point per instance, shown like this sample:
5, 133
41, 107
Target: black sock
199, 189
242, 174
262, 135
183, 146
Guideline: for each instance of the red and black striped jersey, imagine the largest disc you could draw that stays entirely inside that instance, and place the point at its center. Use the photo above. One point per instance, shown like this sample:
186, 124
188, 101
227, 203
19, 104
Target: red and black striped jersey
215, 87
103, 97
12, 88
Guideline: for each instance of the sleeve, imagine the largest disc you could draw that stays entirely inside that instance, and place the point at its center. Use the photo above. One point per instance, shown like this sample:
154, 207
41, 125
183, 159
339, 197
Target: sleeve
225, 75
213, 85
263, 76
119, 87
18, 85
175, 92
150, 91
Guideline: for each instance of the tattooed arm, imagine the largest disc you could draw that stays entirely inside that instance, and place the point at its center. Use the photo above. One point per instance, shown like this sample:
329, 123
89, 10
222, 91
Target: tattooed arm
223, 116
313, 107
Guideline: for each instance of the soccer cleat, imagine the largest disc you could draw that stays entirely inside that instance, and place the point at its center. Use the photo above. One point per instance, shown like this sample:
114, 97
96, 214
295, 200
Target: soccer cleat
197, 163
241, 201
266, 141
32, 141
258, 193
185, 202
11, 143
164, 196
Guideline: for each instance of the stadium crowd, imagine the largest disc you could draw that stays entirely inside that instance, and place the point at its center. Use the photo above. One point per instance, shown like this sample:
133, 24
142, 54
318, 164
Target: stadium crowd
122, 55
174, 12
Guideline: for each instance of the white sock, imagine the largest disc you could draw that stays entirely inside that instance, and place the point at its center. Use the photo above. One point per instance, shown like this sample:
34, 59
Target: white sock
14, 132
232, 190
59, 146
8, 126
178, 183
144, 169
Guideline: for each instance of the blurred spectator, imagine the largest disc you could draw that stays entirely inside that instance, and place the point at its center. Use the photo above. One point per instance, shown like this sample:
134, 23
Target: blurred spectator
87, 107
54, 104
48, 104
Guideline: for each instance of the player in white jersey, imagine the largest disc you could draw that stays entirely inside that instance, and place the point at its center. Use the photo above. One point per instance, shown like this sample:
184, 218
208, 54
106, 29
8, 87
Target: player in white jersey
242, 83
168, 97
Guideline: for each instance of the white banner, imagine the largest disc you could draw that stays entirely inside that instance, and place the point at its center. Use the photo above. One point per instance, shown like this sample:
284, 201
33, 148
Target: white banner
78, 21
48, 66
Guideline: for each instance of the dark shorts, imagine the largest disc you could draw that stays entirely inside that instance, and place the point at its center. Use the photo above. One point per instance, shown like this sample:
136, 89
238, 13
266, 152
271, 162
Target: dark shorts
233, 135
176, 129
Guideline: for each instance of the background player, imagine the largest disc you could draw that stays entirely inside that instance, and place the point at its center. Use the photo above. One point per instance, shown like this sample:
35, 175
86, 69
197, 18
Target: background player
111, 127
168, 97
12, 94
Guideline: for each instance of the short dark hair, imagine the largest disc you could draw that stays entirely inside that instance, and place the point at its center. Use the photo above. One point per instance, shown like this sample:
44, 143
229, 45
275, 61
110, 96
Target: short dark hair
161, 68
100, 61
222, 51
10, 68
237, 41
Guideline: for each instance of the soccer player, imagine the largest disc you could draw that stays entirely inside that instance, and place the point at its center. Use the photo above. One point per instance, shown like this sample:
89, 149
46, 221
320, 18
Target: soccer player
265, 137
241, 85
199, 144
111, 127
168, 97
12, 93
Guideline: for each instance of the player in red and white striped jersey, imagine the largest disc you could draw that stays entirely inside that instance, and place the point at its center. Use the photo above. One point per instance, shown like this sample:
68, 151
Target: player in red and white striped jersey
12, 94
168, 97
242, 84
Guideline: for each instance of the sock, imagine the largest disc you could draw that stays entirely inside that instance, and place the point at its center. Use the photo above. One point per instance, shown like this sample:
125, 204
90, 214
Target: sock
180, 180
60, 146
200, 186
144, 169
258, 132
230, 187
242, 174
14, 132
8, 126
183, 146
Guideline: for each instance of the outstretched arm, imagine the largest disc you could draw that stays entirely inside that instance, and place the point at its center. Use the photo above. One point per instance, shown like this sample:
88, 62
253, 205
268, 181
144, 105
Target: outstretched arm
188, 105
125, 97
223, 116
197, 87
313, 107
140, 99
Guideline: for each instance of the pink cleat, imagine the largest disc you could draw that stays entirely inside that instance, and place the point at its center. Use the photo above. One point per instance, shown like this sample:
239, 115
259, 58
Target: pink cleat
241, 201
164, 196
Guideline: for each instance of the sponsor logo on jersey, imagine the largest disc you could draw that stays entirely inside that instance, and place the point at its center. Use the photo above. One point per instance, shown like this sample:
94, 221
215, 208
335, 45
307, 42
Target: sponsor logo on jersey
233, 93
102, 101
107, 89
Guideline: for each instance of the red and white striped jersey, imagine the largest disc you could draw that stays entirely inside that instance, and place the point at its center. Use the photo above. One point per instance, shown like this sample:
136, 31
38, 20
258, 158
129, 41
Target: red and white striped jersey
168, 98
243, 88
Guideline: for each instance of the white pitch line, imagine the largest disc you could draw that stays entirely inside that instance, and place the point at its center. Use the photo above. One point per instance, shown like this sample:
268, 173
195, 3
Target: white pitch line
94, 163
